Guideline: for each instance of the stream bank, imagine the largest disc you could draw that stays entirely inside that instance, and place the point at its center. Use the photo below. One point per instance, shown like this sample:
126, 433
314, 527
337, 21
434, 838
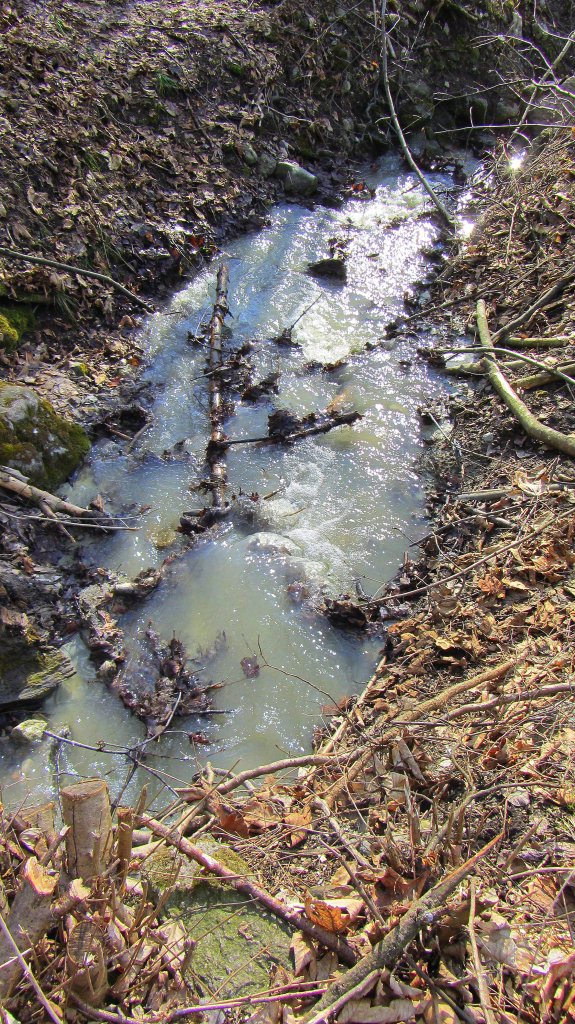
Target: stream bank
458, 759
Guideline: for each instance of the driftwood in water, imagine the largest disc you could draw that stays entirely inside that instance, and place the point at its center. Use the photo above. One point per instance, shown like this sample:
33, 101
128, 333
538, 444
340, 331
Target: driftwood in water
285, 428
172, 688
216, 453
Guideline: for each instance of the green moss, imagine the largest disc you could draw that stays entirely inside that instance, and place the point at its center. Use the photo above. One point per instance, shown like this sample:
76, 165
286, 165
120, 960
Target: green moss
237, 941
35, 440
15, 321
27, 675
8, 335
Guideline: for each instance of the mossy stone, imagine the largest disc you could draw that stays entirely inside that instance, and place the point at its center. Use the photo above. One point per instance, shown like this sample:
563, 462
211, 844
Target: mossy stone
237, 941
35, 440
14, 323
27, 675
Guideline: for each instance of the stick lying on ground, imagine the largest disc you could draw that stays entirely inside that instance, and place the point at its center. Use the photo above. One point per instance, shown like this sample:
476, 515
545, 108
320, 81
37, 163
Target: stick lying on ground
15, 485
531, 425
243, 885
331, 795
388, 952
43, 262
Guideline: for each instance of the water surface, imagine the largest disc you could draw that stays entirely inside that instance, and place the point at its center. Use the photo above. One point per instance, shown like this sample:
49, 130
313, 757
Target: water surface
350, 502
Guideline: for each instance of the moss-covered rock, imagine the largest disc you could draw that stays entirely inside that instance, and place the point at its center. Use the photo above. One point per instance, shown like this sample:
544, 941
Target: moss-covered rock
28, 675
15, 321
237, 942
35, 440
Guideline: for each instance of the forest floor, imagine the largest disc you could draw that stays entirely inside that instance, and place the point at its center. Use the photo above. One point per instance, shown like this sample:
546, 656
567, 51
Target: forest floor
431, 833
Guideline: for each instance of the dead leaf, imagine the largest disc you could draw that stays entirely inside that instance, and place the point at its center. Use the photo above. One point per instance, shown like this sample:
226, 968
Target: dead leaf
299, 821
303, 952
250, 667
360, 1011
333, 915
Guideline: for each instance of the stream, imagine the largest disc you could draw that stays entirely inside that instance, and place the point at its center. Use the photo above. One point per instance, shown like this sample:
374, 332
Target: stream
341, 507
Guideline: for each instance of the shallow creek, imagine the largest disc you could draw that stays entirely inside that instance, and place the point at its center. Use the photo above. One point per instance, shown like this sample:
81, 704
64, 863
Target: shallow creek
349, 502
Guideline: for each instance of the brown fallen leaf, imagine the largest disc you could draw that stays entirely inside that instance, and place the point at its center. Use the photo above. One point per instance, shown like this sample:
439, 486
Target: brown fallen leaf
334, 915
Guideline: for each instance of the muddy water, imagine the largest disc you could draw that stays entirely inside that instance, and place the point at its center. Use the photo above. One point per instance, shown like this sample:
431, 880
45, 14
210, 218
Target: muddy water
343, 506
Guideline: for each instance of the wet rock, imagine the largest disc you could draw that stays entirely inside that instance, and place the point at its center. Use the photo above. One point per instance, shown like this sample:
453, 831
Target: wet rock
304, 570
27, 675
333, 267
230, 929
272, 544
36, 441
296, 179
248, 154
29, 732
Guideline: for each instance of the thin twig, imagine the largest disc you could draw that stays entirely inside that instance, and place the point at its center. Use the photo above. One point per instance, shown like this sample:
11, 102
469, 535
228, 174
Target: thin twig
42, 261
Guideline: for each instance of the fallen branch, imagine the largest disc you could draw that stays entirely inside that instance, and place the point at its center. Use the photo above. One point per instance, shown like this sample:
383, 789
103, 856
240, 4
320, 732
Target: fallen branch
537, 380
412, 715
39, 497
557, 370
292, 917
525, 697
484, 997
530, 424
559, 342
376, 601
443, 211
389, 951
540, 303
15, 254
320, 426
216, 450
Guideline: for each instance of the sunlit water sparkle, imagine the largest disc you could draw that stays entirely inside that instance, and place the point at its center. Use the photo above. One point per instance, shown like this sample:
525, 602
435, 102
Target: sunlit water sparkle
351, 501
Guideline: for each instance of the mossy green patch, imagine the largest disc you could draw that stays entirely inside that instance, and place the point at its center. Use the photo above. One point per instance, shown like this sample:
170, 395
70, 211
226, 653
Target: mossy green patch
35, 440
237, 941
27, 675
15, 321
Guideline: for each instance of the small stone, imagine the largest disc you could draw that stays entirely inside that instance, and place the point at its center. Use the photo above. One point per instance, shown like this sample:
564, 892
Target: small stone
296, 179
29, 732
3, 211
519, 798
249, 155
332, 267
267, 165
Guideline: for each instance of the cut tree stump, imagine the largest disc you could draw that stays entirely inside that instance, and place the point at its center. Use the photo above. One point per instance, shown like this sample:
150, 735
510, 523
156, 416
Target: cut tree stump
86, 809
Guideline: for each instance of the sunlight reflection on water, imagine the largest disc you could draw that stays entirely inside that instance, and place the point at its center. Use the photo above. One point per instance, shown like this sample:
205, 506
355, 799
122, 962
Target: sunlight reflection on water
350, 501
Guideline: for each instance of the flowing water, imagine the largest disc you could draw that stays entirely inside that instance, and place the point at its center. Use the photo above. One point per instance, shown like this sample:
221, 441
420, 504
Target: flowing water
347, 503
